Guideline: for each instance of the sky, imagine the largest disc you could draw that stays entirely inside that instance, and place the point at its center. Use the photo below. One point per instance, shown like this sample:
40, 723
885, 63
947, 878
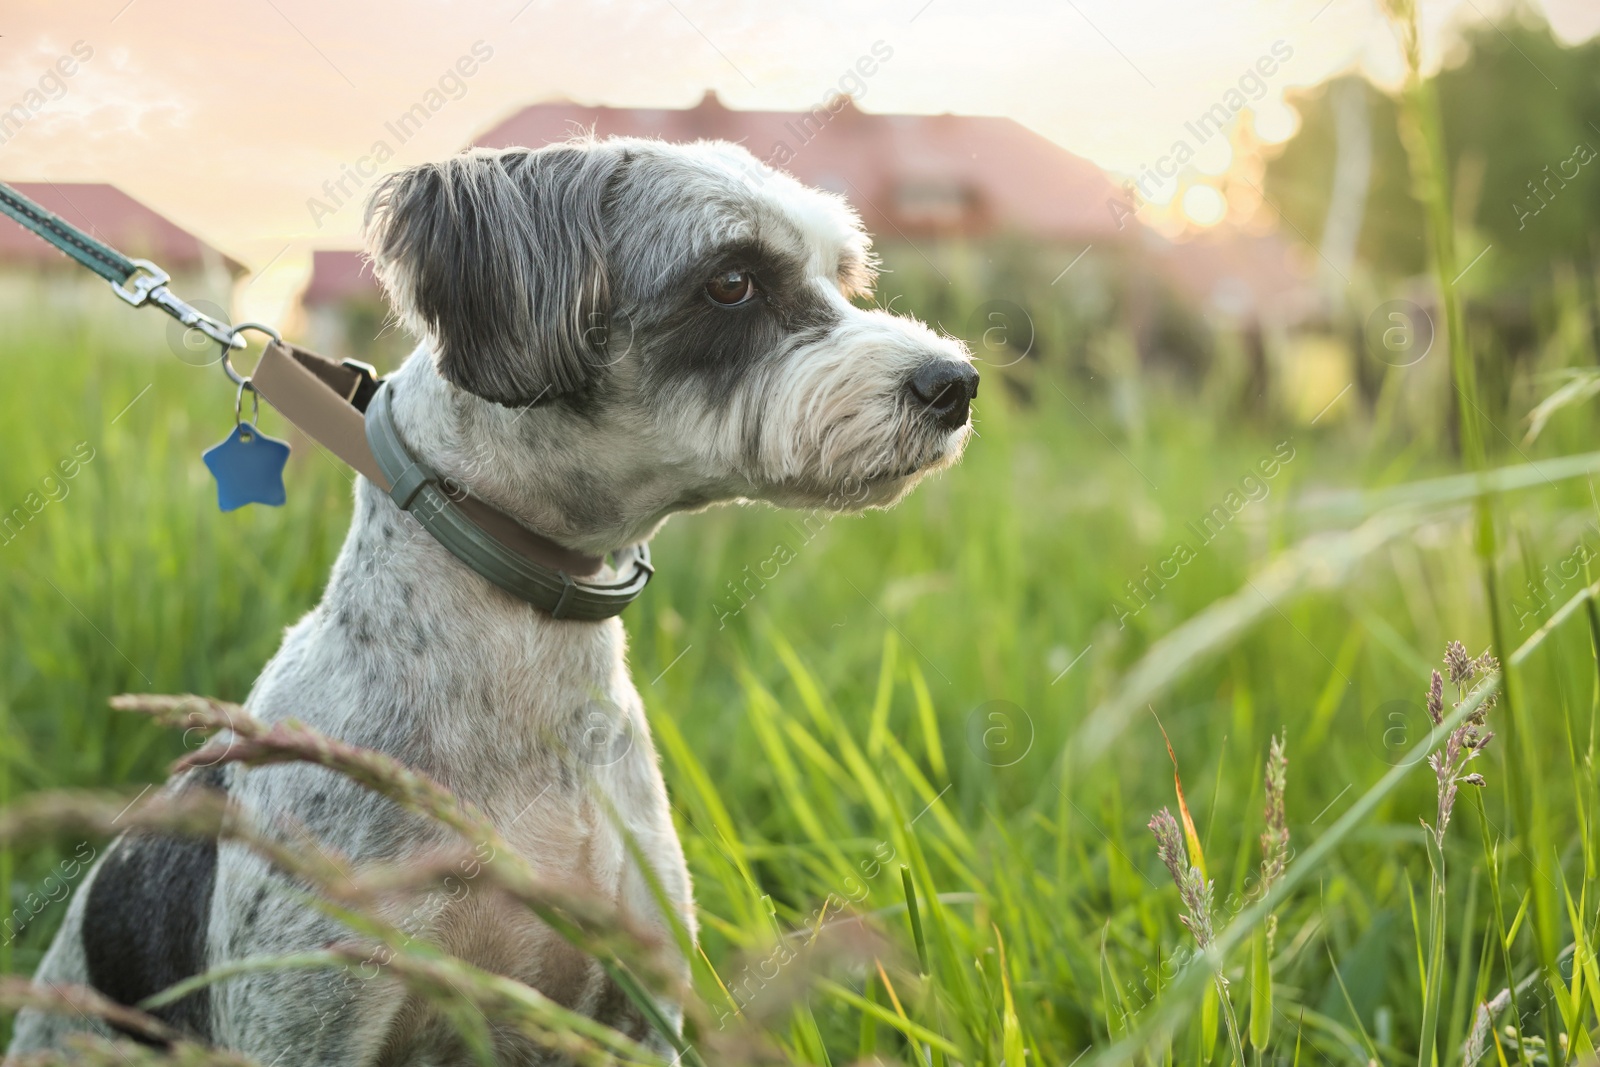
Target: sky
229, 117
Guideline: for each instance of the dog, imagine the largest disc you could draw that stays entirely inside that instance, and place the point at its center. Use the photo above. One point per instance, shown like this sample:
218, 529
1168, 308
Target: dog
611, 331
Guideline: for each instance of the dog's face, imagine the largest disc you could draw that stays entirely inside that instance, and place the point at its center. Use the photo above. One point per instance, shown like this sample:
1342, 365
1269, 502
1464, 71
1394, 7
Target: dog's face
683, 303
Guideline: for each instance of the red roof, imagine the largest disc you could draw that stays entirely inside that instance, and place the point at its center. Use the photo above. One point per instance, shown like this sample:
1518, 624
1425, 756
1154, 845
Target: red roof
110, 215
908, 175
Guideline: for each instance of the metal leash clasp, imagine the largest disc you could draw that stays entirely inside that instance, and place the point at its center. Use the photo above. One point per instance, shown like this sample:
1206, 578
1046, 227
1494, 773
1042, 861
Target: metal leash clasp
194, 318
138, 286
148, 285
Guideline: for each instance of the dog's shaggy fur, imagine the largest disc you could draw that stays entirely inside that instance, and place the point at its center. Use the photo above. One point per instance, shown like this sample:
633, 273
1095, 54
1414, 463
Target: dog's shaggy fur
576, 373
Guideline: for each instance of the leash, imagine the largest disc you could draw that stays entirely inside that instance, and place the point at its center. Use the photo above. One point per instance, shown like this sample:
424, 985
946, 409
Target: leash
345, 407
137, 281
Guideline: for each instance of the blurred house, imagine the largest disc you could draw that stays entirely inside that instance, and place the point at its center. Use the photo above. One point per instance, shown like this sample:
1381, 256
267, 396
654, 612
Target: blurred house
345, 315
1240, 297
915, 179
1235, 277
912, 176
963, 209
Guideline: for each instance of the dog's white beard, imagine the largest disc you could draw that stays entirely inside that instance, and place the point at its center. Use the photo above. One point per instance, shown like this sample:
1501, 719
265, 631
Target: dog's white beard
834, 418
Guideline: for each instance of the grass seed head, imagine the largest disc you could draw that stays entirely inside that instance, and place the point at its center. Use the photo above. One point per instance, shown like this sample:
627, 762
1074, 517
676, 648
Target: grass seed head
1275, 838
1469, 738
1477, 1043
1169, 844
1436, 699
1461, 666
1196, 892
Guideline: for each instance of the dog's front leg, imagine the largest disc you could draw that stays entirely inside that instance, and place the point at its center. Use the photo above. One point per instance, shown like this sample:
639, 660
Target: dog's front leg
342, 1016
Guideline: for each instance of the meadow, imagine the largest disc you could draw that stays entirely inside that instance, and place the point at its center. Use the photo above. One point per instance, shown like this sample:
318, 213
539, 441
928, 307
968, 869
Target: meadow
914, 753
970, 781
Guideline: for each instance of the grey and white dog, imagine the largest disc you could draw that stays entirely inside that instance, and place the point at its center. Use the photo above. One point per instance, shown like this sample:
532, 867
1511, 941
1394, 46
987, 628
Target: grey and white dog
614, 331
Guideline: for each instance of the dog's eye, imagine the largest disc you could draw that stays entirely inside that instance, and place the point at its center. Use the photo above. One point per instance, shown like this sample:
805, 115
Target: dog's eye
731, 287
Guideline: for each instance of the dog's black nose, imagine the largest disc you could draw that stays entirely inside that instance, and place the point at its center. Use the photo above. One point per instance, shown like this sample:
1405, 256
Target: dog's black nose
945, 388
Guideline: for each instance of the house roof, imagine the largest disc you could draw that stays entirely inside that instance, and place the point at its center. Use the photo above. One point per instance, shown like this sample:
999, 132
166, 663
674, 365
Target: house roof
112, 216
912, 176
908, 175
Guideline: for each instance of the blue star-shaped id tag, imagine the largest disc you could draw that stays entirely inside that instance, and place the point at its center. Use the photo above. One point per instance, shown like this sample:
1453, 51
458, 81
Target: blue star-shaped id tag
248, 467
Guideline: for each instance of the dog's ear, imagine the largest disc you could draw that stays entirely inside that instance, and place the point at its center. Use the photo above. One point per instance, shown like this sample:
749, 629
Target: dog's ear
497, 258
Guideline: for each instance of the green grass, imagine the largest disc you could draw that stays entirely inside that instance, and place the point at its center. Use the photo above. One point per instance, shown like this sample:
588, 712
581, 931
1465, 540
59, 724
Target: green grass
832, 749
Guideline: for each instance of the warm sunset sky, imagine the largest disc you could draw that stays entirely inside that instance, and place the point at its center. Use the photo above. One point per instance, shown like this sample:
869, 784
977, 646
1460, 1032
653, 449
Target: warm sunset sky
229, 116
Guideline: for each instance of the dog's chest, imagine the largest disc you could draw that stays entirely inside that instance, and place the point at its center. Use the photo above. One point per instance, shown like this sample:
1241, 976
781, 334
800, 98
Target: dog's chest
581, 853
533, 722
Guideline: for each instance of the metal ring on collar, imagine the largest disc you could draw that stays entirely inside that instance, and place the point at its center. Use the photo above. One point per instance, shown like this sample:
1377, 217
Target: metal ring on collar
255, 405
227, 364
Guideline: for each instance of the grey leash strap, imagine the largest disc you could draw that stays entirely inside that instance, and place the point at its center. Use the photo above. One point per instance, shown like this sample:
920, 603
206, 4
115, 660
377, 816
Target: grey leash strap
101, 258
137, 281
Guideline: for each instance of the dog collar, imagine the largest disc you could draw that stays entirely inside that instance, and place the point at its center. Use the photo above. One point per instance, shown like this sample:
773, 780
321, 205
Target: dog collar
326, 401
483, 538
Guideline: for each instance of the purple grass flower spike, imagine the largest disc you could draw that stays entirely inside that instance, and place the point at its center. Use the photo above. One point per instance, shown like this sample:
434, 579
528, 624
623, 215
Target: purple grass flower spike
1195, 891
1468, 739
